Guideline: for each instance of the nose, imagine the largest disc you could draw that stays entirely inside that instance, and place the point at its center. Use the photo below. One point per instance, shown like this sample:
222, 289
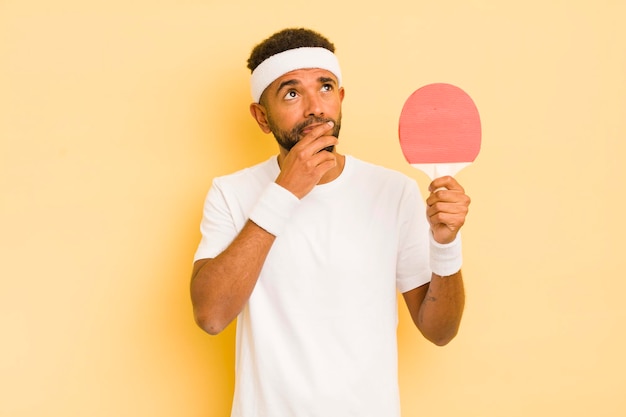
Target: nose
313, 106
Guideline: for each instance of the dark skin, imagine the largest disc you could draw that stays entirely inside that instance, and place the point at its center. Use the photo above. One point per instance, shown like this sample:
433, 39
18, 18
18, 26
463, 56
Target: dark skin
220, 287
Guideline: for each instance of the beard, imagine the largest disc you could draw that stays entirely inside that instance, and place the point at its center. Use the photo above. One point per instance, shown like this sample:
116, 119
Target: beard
287, 139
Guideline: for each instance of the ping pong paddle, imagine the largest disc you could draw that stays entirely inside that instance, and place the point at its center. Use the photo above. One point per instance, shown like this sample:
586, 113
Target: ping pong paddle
439, 130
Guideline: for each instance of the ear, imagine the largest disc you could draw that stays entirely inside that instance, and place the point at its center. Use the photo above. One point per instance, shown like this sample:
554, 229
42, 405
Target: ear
259, 114
342, 93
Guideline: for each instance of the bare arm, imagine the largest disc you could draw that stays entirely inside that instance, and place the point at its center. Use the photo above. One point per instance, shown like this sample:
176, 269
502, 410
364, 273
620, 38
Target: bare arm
436, 308
220, 287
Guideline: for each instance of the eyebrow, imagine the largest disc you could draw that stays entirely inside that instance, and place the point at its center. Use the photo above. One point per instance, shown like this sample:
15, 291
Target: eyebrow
286, 83
292, 82
325, 80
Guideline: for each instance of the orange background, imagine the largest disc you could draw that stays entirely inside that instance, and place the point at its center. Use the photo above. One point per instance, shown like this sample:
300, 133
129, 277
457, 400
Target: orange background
116, 115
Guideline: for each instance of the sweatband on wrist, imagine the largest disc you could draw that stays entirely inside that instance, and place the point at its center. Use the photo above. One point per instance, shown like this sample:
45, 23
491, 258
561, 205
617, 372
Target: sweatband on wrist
299, 58
445, 259
274, 209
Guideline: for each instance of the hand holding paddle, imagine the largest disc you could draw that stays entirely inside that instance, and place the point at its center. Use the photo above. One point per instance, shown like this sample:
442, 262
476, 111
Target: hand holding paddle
440, 134
446, 208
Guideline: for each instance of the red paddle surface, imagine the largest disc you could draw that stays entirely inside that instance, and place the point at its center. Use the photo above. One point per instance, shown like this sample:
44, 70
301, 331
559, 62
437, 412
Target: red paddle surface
439, 124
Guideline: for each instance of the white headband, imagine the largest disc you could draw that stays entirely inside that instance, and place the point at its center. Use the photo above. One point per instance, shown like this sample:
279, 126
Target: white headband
282, 63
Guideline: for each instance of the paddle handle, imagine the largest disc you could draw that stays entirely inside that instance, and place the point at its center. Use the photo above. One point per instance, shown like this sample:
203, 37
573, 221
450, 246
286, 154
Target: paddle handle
441, 170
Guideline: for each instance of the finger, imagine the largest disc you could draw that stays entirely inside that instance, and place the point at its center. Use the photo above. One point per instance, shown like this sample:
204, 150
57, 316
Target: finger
447, 213
452, 221
324, 143
447, 209
324, 161
446, 182
317, 138
315, 131
448, 196
305, 151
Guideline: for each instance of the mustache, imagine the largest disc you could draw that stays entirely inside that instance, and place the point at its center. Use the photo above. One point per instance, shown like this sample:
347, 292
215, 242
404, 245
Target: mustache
287, 139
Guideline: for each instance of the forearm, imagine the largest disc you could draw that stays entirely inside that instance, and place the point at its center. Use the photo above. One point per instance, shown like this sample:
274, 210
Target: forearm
441, 310
220, 287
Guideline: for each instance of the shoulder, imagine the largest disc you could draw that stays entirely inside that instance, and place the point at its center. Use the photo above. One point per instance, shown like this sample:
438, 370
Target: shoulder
257, 175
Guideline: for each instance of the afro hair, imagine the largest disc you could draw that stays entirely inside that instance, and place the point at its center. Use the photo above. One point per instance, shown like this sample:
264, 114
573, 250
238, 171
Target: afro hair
285, 40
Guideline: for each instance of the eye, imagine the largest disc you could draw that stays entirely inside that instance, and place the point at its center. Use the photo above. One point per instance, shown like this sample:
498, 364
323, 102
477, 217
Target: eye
327, 87
291, 94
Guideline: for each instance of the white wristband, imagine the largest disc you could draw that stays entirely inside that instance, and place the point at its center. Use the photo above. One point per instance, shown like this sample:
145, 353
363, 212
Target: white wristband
445, 259
274, 208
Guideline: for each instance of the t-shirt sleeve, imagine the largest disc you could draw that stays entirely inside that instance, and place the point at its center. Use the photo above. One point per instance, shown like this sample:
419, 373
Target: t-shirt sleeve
217, 226
413, 269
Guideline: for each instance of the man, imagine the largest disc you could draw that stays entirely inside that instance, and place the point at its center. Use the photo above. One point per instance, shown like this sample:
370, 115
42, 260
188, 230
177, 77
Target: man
308, 249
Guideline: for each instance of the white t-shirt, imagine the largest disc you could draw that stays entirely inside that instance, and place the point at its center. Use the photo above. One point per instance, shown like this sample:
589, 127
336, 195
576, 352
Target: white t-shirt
317, 337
